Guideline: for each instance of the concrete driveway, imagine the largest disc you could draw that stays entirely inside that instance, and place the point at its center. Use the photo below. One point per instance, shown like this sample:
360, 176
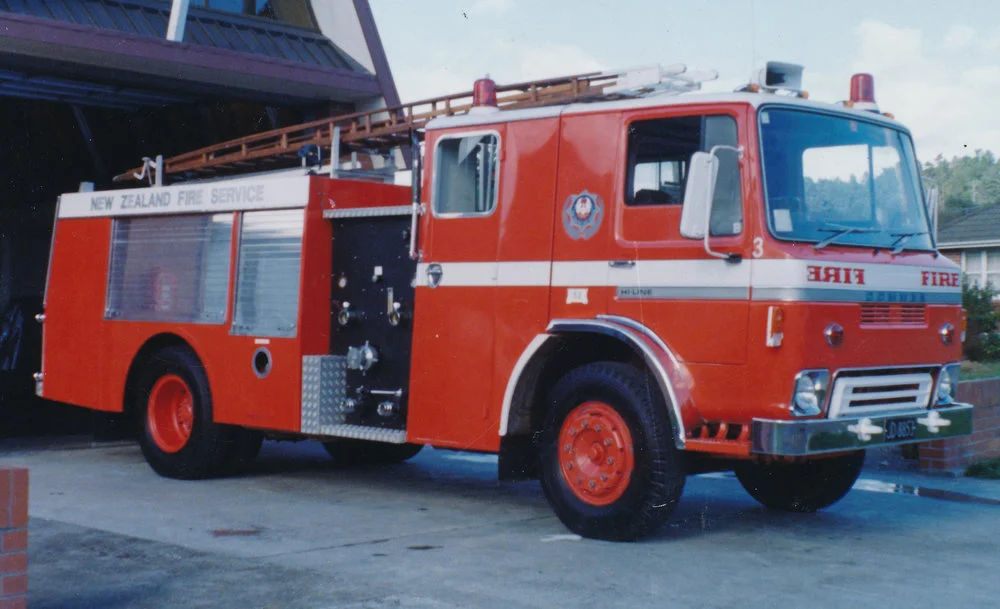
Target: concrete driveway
441, 532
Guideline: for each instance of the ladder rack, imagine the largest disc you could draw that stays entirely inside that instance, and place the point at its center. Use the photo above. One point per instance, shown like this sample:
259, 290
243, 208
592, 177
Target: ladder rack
382, 130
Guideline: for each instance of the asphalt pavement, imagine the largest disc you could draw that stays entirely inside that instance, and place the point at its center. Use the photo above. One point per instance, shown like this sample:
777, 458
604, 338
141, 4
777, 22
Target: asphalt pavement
441, 532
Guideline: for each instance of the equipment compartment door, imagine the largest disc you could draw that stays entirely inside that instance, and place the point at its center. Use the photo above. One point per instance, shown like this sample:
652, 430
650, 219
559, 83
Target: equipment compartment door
372, 309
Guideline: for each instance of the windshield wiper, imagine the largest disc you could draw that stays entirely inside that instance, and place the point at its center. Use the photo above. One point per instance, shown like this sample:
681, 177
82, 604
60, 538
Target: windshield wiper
839, 231
897, 245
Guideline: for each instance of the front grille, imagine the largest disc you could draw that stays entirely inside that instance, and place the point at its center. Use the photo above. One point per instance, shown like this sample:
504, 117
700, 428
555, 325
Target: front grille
884, 314
867, 394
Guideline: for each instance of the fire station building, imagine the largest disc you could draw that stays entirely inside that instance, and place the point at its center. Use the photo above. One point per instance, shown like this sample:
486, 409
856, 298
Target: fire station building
90, 87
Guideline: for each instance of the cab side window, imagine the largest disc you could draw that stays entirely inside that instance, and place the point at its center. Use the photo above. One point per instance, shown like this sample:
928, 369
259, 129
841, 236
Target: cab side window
659, 152
466, 175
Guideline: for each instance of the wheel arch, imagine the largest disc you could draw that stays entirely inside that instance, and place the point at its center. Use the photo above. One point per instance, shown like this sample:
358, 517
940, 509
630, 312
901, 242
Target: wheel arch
566, 344
142, 356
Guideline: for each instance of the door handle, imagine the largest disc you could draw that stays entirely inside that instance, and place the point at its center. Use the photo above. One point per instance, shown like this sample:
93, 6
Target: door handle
621, 264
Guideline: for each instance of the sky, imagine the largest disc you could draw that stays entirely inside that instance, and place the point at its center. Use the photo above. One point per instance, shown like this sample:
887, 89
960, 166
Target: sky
936, 64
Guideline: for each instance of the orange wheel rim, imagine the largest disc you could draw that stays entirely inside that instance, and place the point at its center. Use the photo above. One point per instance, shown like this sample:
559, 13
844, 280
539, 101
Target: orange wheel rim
171, 413
596, 457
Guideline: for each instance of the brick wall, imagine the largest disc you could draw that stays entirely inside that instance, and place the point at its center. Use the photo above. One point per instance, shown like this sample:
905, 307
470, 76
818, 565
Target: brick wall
953, 455
954, 255
13, 538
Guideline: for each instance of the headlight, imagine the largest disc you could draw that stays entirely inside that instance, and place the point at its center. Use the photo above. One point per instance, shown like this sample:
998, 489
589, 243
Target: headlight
947, 384
810, 392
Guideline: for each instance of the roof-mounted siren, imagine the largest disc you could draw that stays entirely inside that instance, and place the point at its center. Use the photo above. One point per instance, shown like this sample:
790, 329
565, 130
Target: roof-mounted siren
779, 76
863, 93
484, 96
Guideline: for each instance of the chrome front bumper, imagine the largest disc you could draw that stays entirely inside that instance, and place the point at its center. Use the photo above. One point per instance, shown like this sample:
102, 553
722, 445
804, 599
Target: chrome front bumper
818, 436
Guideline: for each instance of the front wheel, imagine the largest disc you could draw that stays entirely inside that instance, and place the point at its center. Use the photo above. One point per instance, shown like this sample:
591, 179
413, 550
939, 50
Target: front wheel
610, 469
801, 487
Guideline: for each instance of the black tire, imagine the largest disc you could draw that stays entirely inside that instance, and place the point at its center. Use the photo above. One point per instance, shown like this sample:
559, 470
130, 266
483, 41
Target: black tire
243, 451
364, 452
801, 487
657, 478
206, 451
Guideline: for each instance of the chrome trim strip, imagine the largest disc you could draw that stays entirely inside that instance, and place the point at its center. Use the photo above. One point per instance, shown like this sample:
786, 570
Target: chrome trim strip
627, 332
368, 212
835, 295
515, 376
818, 436
682, 293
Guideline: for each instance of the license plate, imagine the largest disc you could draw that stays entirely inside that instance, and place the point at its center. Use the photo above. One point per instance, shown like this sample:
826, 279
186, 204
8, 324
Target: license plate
900, 429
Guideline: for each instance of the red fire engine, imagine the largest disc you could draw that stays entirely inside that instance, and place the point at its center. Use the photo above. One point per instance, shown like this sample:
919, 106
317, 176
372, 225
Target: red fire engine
609, 284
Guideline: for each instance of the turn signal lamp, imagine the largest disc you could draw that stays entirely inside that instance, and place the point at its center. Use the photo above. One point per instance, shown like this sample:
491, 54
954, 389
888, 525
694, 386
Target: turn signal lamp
947, 333
775, 326
834, 334
863, 92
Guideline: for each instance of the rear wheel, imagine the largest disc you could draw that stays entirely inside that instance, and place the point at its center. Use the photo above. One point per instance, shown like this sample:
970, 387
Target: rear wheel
364, 452
243, 451
610, 469
177, 434
801, 487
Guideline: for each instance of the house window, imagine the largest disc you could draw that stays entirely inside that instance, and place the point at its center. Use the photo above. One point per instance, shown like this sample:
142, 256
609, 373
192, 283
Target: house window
257, 8
982, 266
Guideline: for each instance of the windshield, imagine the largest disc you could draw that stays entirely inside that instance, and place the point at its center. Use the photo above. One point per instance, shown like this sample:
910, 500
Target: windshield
818, 173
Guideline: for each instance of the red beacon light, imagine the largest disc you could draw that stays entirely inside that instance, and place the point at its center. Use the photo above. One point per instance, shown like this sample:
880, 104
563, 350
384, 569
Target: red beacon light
484, 95
863, 92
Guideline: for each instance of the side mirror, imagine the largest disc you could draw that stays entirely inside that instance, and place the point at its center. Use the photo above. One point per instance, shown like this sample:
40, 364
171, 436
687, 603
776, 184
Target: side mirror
699, 194
933, 196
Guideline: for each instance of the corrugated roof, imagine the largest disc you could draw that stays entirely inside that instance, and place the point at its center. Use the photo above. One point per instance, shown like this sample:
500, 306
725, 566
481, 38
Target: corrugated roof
204, 27
980, 226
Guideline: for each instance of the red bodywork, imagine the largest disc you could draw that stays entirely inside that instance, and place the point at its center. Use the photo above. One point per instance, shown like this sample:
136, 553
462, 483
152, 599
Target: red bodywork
468, 339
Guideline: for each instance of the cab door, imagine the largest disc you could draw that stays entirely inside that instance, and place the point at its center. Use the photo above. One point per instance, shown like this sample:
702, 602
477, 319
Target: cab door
455, 308
697, 303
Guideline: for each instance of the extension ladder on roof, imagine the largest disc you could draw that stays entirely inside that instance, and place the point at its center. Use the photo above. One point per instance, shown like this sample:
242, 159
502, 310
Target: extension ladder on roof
385, 129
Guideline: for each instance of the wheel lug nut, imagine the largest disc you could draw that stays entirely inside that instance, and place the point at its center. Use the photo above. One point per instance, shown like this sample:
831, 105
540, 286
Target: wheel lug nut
568, 447
579, 480
604, 477
569, 466
592, 484
597, 428
585, 424
611, 460
572, 432
607, 441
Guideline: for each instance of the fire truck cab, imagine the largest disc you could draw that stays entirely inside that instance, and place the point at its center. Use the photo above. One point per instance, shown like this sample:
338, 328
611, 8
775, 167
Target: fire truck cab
611, 295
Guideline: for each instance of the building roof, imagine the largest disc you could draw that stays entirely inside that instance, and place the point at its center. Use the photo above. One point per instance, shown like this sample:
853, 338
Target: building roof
979, 227
114, 53
204, 26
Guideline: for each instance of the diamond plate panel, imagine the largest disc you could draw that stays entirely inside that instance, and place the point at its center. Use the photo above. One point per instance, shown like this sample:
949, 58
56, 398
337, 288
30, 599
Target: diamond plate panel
362, 432
324, 386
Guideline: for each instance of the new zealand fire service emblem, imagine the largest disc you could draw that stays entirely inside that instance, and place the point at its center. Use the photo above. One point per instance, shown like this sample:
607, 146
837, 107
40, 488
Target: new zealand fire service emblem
582, 215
